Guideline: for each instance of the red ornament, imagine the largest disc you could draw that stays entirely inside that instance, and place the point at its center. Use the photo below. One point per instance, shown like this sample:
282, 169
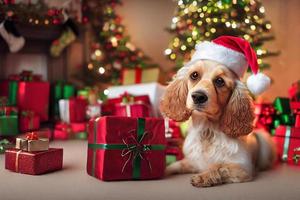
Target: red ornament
56, 21
51, 12
118, 20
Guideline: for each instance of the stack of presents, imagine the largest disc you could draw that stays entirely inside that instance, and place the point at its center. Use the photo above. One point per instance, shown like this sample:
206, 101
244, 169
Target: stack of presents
127, 136
282, 119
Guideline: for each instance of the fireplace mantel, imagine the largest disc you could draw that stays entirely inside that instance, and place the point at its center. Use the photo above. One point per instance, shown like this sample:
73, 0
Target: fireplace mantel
38, 41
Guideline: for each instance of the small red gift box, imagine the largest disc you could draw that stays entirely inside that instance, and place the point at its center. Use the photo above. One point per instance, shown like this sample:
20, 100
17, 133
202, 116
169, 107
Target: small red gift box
29, 121
34, 96
64, 131
287, 139
33, 163
124, 148
72, 110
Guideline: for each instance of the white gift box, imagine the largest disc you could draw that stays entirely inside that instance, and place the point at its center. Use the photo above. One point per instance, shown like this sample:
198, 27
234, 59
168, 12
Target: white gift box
153, 90
64, 110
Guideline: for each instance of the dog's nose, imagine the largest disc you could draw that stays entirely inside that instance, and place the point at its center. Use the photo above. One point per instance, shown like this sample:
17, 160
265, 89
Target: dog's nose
199, 97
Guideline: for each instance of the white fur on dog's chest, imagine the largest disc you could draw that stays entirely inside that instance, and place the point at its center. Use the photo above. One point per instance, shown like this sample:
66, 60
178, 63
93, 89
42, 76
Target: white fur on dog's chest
218, 149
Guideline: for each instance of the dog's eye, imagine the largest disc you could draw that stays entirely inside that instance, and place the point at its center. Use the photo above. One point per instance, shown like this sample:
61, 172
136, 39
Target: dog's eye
219, 82
194, 75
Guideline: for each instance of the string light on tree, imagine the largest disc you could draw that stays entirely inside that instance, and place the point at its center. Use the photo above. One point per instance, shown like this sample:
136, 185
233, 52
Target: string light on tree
196, 21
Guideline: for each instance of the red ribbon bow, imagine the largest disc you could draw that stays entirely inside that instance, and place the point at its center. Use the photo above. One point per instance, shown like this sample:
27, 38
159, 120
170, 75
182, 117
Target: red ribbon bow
32, 136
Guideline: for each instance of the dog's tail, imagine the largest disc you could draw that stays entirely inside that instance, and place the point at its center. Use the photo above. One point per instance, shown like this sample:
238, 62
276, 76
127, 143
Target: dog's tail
267, 150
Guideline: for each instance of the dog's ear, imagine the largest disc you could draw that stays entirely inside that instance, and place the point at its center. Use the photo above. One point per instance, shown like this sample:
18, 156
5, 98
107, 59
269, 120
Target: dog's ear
238, 116
173, 103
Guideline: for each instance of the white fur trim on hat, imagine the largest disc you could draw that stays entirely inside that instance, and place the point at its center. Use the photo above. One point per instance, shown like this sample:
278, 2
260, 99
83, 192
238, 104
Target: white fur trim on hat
233, 60
258, 83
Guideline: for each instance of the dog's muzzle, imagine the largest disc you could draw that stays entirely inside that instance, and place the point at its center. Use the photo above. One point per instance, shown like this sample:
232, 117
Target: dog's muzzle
199, 97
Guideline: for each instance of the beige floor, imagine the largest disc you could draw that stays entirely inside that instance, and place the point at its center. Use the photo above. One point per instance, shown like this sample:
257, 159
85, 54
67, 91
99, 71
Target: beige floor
73, 183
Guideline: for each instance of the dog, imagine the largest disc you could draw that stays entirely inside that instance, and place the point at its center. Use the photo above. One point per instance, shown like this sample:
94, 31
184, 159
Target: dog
221, 146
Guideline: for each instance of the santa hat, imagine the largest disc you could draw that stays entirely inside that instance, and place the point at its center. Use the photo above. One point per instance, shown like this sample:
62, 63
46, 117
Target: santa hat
236, 54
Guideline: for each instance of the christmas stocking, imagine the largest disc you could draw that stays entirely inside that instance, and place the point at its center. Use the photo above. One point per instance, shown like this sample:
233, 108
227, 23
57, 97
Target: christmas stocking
68, 36
11, 36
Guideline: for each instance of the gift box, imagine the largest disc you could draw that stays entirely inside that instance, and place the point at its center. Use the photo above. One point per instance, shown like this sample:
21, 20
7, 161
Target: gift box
9, 121
173, 154
282, 105
124, 148
34, 163
32, 155
32, 143
29, 121
25, 75
9, 89
287, 138
294, 91
34, 96
64, 131
264, 116
60, 90
139, 75
153, 90
72, 110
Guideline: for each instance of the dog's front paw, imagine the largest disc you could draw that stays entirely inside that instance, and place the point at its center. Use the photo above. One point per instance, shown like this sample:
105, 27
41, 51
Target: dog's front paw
206, 179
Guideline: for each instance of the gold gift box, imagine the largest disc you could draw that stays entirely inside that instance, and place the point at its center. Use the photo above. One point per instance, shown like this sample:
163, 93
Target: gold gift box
41, 144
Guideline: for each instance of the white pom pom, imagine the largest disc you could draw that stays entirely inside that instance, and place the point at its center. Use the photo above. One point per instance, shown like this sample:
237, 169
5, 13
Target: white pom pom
258, 83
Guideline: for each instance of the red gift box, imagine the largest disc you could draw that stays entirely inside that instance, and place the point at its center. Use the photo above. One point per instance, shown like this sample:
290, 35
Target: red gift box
34, 96
287, 139
33, 163
72, 110
172, 129
64, 131
29, 121
132, 110
176, 151
124, 148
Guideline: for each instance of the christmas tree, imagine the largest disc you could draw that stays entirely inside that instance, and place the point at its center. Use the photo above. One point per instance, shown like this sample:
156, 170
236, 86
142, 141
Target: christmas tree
199, 20
112, 50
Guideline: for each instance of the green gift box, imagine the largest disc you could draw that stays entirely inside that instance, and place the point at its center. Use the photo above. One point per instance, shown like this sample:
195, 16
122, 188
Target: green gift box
282, 105
59, 91
8, 121
9, 90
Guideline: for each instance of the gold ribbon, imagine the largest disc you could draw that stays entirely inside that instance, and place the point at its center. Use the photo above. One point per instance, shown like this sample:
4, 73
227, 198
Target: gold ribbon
17, 161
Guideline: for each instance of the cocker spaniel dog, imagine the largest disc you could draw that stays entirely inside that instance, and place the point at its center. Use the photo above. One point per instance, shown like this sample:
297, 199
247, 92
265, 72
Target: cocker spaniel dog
221, 146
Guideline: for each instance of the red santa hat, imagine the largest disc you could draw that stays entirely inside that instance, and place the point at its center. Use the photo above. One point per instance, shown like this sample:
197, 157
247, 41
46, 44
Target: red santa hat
236, 54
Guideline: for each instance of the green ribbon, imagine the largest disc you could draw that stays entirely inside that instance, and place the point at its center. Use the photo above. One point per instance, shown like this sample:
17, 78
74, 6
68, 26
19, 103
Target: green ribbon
133, 151
12, 92
286, 143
